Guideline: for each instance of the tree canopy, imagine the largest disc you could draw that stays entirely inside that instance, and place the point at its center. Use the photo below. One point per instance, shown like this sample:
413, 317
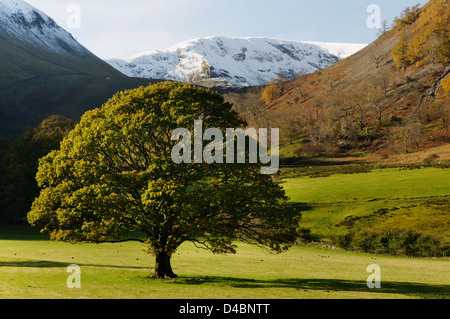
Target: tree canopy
114, 175
20, 163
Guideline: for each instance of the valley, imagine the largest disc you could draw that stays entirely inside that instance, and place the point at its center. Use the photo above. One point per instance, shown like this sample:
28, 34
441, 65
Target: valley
364, 160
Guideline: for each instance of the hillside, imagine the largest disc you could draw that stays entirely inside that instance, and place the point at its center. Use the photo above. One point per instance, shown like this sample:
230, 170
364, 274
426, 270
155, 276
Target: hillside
390, 97
234, 62
44, 70
33, 44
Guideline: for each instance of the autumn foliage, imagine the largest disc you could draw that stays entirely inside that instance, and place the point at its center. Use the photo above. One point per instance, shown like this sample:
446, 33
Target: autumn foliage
425, 34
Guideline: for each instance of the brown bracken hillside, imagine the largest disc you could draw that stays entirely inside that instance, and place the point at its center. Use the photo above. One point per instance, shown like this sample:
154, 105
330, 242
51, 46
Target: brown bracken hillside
392, 97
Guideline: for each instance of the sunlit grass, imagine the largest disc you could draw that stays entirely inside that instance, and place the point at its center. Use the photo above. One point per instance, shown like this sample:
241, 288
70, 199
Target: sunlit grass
31, 266
36, 268
327, 201
378, 184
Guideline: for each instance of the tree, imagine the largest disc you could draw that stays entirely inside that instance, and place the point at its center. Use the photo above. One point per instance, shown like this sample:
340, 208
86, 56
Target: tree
289, 123
114, 175
21, 163
400, 52
281, 81
378, 103
376, 58
442, 104
383, 83
444, 51
248, 104
359, 102
275, 89
384, 28
271, 92
407, 136
408, 16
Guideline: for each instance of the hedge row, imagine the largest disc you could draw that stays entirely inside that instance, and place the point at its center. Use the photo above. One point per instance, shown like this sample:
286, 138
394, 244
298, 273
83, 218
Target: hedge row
400, 242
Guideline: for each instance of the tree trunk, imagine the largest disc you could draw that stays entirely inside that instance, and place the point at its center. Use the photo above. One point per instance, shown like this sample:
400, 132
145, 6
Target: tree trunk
163, 268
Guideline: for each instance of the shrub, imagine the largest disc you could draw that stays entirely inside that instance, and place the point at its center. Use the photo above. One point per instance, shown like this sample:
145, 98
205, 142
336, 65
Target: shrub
304, 235
402, 242
431, 158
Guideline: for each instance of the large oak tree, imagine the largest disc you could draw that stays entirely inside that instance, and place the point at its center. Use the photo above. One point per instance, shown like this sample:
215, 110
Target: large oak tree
114, 175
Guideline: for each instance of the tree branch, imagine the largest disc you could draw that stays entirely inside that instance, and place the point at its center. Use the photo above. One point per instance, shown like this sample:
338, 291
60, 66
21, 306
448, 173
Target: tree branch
118, 241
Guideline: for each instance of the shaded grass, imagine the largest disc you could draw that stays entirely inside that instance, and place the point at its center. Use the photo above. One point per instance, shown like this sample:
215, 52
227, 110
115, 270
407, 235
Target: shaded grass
325, 285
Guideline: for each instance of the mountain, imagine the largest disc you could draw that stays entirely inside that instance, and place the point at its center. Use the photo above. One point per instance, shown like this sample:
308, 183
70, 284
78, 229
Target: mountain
391, 97
238, 62
44, 70
33, 44
24, 23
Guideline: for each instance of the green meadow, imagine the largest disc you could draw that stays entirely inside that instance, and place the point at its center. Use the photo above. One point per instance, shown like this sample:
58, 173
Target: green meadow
31, 266
326, 202
388, 184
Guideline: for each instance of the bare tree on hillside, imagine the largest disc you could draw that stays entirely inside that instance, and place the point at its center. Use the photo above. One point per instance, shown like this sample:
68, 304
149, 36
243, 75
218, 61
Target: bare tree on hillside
383, 82
376, 58
281, 81
248, 105
289, 123
407, 136
384, 28
378, 103
320, 136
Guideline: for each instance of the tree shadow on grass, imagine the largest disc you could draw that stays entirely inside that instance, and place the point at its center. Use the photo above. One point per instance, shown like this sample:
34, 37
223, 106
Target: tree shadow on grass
56, 264
329, 285
302, 207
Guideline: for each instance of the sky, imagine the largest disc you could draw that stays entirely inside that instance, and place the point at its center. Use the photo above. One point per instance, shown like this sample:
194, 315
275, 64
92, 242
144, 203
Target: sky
119, 28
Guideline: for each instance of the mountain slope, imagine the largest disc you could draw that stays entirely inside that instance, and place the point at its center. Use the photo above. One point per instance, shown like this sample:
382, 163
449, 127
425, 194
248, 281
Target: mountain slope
25, 23
33, 44
370, 102
234, 61
44, 70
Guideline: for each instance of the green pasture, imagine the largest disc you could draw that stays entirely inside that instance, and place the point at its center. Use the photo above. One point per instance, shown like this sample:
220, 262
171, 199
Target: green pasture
381, 184
325, 202
33, 267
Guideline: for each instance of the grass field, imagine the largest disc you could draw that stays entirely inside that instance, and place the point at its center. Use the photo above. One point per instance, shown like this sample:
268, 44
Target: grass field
378, 184
31, 266
326, 201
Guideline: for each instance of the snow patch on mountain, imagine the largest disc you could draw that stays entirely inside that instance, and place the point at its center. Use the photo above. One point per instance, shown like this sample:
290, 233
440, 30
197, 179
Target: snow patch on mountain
234, 61
21, 21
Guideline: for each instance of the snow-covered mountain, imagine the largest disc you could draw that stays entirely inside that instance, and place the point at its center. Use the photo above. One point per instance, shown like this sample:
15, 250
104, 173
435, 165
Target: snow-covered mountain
24, 23
33, 44
234, 61
44, 71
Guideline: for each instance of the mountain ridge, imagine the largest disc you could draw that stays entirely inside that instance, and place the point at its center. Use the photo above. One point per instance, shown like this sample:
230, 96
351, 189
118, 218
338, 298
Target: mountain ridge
45, 71
233, 61
33, 44
21, 21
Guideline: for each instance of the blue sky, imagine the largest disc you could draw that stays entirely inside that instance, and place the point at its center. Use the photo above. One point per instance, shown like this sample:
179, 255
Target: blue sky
116, 28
